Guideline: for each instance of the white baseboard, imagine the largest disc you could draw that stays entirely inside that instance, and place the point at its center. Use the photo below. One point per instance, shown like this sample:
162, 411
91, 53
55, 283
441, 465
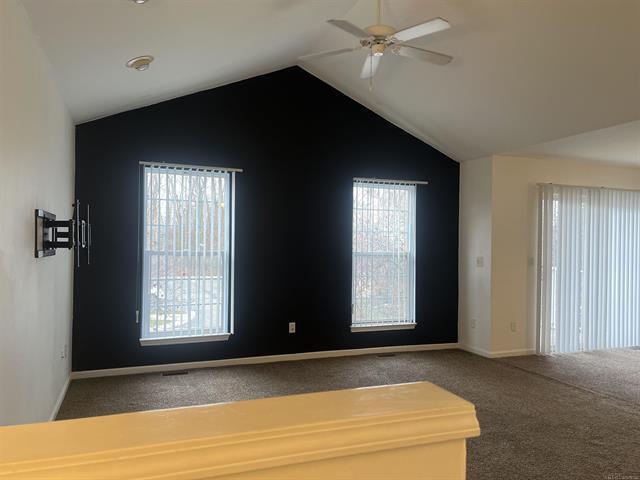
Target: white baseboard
167, 367
513, 353
59, 400
478, 351
497, 353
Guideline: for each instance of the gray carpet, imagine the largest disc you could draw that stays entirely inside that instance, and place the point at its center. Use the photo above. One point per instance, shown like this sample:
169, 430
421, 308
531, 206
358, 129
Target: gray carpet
533, 426
609, 372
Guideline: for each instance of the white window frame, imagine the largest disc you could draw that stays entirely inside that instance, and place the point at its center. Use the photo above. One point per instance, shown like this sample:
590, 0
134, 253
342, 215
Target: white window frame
392, 324
229, 252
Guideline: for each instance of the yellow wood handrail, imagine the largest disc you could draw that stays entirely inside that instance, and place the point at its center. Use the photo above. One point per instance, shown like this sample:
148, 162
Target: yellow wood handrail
280, 437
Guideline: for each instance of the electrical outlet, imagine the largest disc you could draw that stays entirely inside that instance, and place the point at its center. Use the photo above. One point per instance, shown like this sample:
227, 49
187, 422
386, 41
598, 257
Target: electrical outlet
473, 323
479, 262
64, 352
292, 327
513, 327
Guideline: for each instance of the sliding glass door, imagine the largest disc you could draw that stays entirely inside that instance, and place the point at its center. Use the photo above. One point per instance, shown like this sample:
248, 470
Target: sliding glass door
589, 269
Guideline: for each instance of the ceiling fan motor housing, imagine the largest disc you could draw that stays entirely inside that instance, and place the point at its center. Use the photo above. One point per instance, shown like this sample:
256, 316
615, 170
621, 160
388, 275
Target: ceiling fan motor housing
381, 38
380, 31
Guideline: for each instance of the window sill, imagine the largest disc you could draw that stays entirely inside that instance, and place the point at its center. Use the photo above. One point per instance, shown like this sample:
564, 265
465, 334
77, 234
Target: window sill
146, 342
380, 328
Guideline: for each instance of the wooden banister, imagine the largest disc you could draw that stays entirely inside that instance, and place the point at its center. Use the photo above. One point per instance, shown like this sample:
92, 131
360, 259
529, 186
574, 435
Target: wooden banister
414, 430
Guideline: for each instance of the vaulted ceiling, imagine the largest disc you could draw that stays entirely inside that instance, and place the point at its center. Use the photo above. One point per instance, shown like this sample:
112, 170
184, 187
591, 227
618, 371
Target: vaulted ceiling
619, 144
525, 72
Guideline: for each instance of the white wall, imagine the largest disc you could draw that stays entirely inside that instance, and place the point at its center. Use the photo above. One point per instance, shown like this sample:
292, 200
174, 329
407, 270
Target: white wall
36, 170
474, 308
498, 219
514, 236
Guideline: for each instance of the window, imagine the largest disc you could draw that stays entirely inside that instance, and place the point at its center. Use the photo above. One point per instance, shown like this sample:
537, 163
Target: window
589, 279
187, 254
383, 255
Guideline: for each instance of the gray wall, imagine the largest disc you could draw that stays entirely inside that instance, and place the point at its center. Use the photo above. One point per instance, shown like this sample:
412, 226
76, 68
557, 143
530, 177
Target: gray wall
36, 170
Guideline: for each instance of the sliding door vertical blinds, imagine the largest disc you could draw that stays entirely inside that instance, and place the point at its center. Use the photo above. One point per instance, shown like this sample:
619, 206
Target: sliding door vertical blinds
383, 253
589, 261
186, 252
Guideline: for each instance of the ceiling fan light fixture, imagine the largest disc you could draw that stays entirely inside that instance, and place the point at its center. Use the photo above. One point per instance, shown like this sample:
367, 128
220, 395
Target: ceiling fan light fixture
377, 49
140, 63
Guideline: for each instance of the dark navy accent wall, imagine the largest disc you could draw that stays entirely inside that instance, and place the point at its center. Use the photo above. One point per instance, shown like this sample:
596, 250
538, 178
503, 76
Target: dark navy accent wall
300, 143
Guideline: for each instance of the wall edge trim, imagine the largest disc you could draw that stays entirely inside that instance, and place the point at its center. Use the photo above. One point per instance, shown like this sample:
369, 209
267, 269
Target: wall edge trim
383, 113
60, 399
287, 357
202, 87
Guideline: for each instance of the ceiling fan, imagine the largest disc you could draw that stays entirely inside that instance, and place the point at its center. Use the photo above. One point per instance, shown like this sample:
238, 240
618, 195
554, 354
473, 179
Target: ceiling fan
380, 39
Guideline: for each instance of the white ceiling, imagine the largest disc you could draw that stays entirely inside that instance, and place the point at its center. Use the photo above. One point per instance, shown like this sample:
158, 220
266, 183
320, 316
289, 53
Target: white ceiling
525, 71
197, 44
619, 145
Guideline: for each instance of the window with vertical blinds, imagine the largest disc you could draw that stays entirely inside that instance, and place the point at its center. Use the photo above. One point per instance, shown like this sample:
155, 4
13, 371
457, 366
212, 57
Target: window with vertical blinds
589, 269
186, 254
383, 255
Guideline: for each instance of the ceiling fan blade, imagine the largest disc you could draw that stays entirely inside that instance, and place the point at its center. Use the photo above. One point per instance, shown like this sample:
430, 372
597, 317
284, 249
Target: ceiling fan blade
349, 28
328, 53
422, 29
421, 54
370, 66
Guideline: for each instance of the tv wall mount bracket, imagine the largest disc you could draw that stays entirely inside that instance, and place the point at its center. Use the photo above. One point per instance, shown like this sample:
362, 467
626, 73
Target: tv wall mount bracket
52, 234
